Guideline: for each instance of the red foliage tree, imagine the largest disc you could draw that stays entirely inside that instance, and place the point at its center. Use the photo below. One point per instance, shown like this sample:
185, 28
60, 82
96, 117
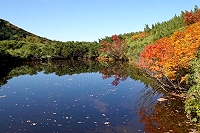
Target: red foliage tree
116, 49
192, 17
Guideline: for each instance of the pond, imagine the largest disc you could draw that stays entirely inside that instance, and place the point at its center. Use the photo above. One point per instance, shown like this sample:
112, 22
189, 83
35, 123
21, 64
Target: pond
85, 97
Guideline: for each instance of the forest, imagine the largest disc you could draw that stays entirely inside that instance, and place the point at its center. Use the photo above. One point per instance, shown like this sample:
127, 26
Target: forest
167, 51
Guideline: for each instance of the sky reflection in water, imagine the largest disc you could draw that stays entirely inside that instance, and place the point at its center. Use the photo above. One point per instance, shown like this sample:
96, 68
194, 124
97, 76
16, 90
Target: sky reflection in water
80, 103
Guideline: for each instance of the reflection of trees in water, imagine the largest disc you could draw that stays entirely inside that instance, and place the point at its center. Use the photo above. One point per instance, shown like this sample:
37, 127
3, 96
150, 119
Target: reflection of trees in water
147, 99
116, 71
166, 116
6, 68
60, 68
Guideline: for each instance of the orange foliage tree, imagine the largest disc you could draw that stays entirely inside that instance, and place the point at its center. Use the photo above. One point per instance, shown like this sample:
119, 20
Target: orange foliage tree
141, 35
154, 56
169, 58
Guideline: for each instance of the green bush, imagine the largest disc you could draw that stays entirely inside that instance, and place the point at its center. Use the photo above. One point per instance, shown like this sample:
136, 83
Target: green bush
192, 103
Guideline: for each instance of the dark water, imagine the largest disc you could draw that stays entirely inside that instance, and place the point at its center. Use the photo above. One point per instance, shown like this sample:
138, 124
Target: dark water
99, 98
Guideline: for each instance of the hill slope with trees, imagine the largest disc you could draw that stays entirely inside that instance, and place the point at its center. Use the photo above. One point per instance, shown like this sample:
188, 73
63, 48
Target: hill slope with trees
18, 44
9, 31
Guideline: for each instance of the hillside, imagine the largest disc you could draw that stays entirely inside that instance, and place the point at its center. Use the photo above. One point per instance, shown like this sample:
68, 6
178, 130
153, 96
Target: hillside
19, 44
9, 31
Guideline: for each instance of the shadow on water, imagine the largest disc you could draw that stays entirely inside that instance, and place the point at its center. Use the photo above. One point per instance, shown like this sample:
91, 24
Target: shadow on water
153, 116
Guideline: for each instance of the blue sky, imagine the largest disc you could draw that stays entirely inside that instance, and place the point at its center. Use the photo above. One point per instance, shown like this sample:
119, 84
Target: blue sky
89, 20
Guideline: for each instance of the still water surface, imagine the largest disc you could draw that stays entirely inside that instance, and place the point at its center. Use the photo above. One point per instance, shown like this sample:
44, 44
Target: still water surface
88, 102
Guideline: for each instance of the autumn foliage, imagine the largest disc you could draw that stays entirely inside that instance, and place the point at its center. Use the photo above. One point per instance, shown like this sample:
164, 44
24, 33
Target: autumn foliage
141, 35
170, 57
154, 56
115, 49
192, 17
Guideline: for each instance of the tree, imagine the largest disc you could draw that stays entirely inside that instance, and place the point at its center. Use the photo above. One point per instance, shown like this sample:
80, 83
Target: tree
115, 49
169, 58
192, 17
140, 35
146, 29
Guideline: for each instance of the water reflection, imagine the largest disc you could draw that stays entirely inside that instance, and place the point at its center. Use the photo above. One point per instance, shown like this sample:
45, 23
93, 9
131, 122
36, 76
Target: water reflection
73, 97
77, 103
163, 113
116, 71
